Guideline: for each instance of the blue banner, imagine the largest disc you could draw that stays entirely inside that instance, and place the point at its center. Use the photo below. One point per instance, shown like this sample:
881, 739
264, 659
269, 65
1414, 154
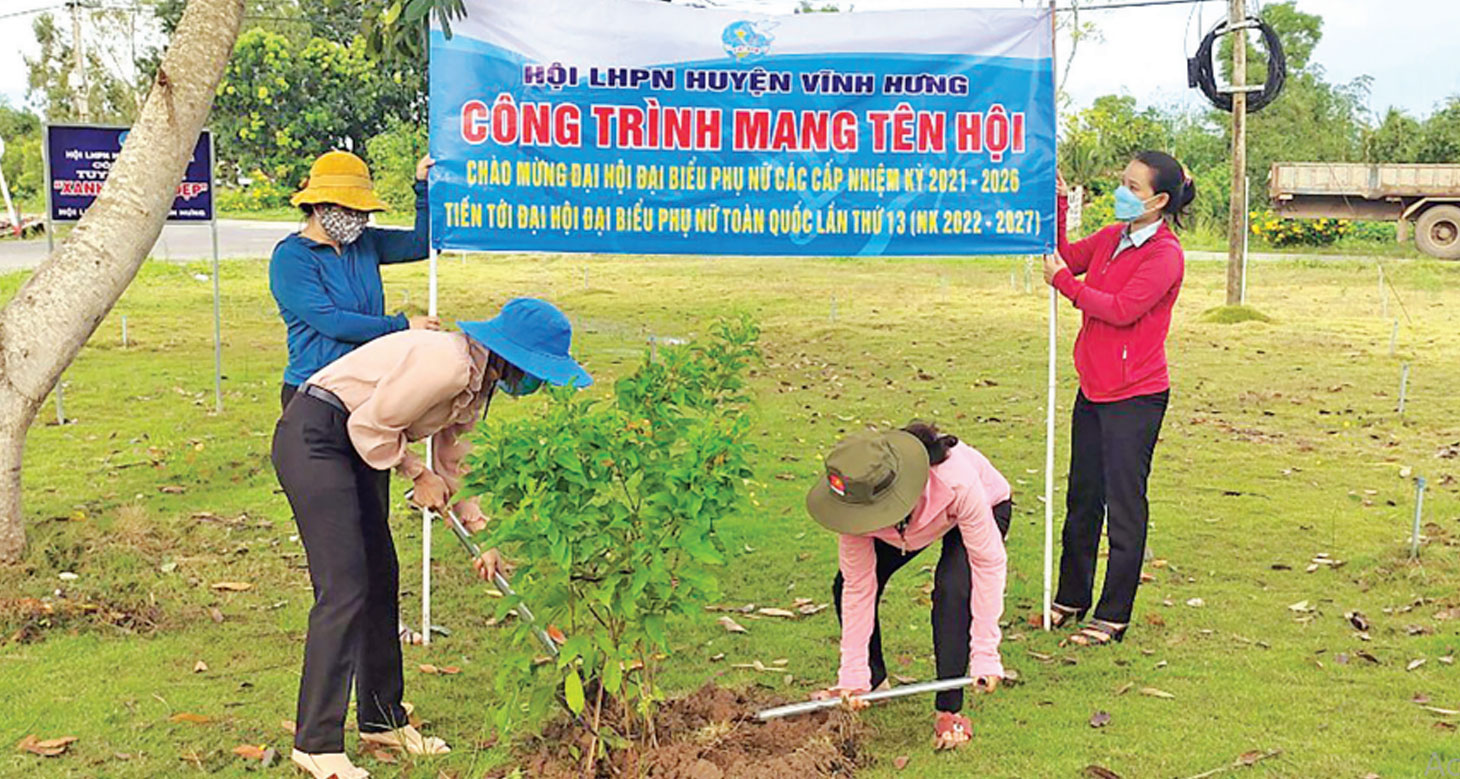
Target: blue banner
649, 128
79, 157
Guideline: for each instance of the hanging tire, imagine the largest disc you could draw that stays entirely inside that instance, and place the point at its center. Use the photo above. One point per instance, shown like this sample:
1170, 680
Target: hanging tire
1437, 232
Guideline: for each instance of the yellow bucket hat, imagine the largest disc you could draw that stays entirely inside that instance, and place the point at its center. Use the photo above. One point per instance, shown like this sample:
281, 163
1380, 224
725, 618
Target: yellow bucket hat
340, 178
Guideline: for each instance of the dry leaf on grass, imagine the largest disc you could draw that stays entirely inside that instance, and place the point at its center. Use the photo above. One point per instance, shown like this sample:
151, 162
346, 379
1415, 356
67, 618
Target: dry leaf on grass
200, 667
901, 679
717, 657
1155, 693
383, 755
1413, 664
449, 670
777, 613
1358, 620
51, 747
427, 668
232, 586
1100, 719
287, 724
215, 614
732, 626
900, 762
171, 489
196, 719
1100, 772
250, 752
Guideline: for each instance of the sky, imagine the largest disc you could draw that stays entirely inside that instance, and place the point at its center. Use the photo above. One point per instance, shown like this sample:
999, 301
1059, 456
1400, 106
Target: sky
1406, 46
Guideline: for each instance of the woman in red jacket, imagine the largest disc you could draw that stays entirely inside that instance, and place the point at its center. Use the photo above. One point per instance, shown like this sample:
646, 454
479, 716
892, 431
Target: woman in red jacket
1131, 276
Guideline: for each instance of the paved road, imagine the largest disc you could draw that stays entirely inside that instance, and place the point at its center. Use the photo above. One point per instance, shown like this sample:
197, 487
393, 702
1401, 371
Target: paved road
236, 238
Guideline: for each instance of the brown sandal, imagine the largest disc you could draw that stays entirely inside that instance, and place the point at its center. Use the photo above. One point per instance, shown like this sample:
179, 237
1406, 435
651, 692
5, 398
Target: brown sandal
1096, 633
1059, 616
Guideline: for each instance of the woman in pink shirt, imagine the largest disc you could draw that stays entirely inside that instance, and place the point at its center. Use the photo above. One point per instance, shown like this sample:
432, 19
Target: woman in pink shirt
349, 424
1125, 280
891, 495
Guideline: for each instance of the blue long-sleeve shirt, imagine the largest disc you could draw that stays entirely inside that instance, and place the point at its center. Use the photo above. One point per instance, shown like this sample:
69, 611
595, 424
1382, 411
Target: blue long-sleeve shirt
333, 302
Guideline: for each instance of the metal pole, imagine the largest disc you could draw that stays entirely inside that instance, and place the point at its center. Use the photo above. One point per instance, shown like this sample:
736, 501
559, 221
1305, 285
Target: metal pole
124, 331
61, 400
900, 691
1403, 386
1419, 509
46, 165
459, 530
1393, 337
1049, 462
217, 328
426, 513
833, 306
1236, 13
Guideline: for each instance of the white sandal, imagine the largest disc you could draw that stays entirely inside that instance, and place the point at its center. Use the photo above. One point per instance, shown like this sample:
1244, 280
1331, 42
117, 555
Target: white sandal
408, 739
327, 765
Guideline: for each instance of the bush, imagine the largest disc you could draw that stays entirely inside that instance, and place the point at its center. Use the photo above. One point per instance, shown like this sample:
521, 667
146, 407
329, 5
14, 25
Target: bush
1277, 231
258, 195
392, 156
610, 506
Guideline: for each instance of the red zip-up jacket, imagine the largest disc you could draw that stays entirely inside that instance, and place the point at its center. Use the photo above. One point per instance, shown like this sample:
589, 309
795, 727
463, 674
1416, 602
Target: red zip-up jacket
1126, 301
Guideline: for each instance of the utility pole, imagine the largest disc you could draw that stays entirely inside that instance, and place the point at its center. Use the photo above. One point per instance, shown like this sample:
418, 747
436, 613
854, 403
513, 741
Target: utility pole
1236, 26
78, 63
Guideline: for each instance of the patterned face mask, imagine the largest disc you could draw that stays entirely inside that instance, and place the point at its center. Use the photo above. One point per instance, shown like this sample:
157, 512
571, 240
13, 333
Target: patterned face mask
343, 224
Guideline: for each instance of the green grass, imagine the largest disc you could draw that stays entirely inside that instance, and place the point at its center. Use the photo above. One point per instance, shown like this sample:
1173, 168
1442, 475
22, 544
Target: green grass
1282, 442
1233, 315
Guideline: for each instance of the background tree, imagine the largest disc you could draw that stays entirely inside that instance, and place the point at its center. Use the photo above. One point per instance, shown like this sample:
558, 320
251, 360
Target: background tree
58, 308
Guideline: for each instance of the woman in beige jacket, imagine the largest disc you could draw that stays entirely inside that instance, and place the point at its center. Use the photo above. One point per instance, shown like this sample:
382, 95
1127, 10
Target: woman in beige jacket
349, 424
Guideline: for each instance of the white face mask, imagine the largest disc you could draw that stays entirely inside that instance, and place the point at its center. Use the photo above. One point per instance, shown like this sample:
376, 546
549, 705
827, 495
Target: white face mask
341, 224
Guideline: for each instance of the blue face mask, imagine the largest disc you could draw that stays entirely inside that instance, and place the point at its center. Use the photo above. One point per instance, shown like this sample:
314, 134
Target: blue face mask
1128, 207
523, 386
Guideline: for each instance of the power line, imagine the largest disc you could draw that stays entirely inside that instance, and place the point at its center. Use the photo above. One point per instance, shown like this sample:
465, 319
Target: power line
1132, 4
42, 9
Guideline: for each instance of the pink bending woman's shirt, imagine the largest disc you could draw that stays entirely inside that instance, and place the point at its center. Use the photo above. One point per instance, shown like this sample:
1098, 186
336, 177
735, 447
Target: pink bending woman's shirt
961, 492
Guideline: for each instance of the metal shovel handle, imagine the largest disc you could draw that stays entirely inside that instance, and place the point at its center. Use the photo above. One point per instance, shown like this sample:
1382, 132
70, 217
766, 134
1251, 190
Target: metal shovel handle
460, 531
793, 709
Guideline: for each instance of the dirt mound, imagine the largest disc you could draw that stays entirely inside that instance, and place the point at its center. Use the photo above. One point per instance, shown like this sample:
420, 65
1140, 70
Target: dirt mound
713, 734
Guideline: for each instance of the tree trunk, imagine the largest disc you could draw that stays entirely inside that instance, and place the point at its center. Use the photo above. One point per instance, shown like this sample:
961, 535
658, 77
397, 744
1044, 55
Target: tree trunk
59, 307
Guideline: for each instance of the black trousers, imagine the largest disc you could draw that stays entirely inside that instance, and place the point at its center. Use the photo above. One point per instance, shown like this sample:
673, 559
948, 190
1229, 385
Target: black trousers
286, 394
1110, 460
340, 505
952, 619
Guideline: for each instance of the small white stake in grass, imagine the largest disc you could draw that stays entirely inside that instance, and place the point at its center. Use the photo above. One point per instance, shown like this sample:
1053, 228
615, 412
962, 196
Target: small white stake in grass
1403, 386
833, 306
1393, 337
1383, 296
61, 402
1419, 509
124, 331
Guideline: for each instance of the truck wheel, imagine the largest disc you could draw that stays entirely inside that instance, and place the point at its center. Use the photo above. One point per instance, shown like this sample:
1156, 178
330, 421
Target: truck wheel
1437, 232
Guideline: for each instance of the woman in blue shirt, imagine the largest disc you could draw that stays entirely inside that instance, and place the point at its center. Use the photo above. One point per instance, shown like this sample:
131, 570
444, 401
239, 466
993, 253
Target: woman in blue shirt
326, 277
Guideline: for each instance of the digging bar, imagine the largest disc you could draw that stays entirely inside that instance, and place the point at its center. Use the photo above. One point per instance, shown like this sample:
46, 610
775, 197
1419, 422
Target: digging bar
795, 709
459, 530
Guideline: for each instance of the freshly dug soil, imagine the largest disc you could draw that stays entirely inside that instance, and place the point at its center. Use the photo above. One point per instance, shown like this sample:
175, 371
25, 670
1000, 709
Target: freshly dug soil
713, 734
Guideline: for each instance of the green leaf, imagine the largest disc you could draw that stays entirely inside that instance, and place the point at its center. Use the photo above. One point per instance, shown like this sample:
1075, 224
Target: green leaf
613, 675
573, 691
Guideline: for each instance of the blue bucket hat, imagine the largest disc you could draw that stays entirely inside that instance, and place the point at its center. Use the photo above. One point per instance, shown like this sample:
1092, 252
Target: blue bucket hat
533, 335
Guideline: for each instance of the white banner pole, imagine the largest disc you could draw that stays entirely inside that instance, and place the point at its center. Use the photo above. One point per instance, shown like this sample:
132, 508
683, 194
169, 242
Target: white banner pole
1049, 408
426, 516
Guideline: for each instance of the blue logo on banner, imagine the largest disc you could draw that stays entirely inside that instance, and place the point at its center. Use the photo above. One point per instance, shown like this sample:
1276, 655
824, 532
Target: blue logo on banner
747, 41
